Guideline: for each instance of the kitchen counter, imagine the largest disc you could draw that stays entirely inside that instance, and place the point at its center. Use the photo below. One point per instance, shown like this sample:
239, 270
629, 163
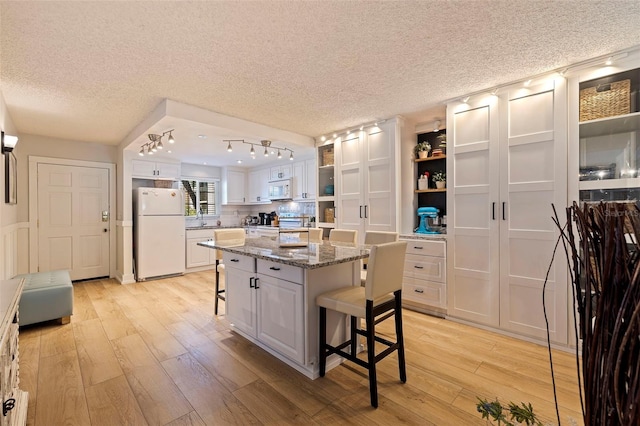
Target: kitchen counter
191, 228
271, 295
414, 236
316, 255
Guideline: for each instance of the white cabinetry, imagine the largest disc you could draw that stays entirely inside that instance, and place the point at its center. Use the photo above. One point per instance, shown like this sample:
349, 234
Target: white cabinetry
304, 180
10, 292
259, 186
233, 186
280, 308
198, 256
507, 165
267, 305
367, 184
283, 171
425, 275
155, 169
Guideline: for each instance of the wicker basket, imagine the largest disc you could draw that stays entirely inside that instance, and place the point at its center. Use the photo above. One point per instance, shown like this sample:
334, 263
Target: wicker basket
327, 157
330, 214
605, 100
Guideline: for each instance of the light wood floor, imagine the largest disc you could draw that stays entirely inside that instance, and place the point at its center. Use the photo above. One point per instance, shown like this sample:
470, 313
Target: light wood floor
153, 353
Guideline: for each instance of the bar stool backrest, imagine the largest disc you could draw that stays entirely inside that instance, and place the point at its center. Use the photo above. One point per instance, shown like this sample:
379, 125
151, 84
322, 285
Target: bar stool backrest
343, 236
233, 236
384, 272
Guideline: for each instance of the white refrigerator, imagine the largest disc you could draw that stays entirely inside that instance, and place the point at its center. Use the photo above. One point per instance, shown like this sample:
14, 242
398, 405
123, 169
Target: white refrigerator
159, 230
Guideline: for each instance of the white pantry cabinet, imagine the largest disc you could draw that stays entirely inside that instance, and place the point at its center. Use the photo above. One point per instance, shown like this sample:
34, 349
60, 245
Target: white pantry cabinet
507, 164
367, 164
304, 180
155, 169
259, 186
233, 186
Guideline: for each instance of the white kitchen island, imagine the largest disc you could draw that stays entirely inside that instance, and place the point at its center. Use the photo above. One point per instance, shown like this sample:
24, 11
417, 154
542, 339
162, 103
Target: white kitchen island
271, 293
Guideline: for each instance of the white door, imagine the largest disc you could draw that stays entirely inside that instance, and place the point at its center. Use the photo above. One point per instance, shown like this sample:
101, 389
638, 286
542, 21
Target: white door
280, 316
310, 179
380, 182
474, 211
350, 208
533, 158
240, 303
299, 184
73, 220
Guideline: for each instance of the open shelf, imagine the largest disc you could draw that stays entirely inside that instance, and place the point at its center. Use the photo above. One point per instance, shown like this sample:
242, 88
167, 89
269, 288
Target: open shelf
420, 160
610, 125
422, 191
609, 184
326, 225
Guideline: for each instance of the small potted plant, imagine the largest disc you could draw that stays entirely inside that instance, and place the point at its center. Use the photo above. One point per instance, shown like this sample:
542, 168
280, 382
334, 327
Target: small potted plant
440, 178
421, 150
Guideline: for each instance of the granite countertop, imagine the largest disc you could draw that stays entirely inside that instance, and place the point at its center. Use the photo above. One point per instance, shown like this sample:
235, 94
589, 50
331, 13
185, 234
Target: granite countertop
316, 255
191, 228
414, 236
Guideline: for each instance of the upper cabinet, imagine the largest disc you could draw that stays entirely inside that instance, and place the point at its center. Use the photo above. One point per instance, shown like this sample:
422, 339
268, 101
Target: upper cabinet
608, 152
259, 186
304, 180
283, 171
233, 186
155, 169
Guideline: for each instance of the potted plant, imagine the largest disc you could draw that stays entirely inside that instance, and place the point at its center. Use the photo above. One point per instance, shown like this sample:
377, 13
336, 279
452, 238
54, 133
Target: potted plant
440, 178
421, 150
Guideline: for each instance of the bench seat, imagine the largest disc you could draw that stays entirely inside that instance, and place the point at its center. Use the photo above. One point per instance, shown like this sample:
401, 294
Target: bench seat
46, 296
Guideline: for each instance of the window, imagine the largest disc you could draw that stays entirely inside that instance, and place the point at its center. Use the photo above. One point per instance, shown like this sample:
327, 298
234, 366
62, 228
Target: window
200, 197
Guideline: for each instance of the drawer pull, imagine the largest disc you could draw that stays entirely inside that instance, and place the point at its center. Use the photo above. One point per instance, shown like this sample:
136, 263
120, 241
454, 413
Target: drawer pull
273, 268
418, 247
418, 290
418, 267
235, 260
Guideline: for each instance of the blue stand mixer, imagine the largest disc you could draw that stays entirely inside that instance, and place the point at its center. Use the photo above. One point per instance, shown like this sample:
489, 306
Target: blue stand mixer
424, 213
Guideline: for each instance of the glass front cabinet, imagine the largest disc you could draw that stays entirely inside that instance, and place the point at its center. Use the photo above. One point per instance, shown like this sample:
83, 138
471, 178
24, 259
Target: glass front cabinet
606, 119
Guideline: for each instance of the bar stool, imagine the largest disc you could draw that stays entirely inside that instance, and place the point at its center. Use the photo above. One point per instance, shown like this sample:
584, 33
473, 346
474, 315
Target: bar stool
375, 237
343, 236
234, 236
378, 300
315, 234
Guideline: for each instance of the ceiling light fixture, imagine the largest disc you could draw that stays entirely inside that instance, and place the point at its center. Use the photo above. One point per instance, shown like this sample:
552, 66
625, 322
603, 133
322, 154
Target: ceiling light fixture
323, 138
265, 143
351, 130
527, 83
436, 126
465, 99
156, 142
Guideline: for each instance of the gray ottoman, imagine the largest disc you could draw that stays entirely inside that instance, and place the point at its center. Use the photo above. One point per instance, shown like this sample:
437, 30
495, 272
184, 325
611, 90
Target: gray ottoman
46, 296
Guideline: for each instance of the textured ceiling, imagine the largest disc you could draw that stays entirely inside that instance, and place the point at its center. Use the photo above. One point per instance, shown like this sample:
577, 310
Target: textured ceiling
93, 71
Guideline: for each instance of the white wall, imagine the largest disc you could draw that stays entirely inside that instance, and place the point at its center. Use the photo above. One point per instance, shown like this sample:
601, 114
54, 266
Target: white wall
9, 226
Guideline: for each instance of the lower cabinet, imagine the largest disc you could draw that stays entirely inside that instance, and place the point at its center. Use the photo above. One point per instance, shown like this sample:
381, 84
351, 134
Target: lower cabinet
424, 278
265, 301
198, 256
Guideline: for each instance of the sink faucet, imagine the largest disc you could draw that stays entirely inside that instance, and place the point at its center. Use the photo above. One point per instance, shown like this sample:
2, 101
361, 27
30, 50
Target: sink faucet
201, 213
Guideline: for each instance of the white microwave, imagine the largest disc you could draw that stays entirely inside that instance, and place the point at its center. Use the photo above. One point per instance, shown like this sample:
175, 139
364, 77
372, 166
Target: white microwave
280, 189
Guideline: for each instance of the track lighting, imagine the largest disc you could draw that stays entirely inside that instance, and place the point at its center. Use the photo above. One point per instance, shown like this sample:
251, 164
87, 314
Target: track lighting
291, 156
265, 143
156, 143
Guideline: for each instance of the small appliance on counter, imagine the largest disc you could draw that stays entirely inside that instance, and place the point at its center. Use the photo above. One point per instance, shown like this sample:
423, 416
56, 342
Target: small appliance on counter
264, 217
424, 213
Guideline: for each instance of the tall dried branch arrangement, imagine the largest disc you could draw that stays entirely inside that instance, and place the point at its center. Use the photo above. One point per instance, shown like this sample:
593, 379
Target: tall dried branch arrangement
605, 275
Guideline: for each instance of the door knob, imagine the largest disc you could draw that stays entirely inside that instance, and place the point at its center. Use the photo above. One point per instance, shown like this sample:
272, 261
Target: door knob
104, 230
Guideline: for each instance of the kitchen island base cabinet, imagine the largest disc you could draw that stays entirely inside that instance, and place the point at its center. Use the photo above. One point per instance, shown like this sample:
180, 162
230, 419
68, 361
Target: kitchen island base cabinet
273, 305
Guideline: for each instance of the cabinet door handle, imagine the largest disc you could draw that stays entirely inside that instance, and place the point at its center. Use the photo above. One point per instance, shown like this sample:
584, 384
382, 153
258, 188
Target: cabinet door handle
273, 268
251, 284
418, 267
503, 211
256, 281
493, 211
360, 212
365, 212
235, 260
418, 247
418, 290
